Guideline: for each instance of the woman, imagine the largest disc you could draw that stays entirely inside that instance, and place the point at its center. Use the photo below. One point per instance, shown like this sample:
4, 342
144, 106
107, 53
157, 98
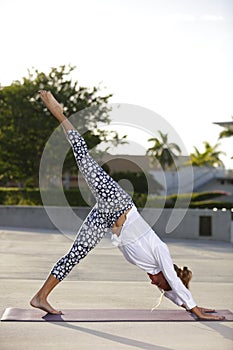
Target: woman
114, 210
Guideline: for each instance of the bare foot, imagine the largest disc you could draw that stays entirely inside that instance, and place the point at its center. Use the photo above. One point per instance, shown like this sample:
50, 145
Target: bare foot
43, 304
52, 104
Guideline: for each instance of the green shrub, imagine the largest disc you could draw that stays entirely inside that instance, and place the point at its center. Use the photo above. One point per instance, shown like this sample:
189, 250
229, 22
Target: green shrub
203, 196
211, 205
76, 198
19, 196
28, 196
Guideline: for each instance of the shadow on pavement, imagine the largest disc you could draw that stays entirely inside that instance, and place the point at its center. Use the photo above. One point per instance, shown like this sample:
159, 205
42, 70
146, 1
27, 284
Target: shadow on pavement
220, 328
114, 338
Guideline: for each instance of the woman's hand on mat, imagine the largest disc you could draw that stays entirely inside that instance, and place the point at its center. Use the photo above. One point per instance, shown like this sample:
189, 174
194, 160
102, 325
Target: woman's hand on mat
205, 310
205, 315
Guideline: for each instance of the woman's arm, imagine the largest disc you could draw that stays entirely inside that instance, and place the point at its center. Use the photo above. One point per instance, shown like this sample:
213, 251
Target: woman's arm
179, 294
177, 287
171, 295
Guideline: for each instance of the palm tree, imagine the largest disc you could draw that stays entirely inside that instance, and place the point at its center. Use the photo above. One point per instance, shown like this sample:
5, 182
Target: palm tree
226, 133
210, 156
162, 151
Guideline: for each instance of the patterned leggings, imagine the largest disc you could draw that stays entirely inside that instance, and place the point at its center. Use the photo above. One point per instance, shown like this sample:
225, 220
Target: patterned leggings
111, 202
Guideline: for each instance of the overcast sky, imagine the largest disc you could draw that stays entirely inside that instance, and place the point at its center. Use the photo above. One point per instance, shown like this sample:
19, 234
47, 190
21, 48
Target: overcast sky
172, 57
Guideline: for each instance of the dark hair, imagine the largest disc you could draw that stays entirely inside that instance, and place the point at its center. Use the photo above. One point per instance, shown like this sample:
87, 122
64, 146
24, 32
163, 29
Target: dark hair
184, 274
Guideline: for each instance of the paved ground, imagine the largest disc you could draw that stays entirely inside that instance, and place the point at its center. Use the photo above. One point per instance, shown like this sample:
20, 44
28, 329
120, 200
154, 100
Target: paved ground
105, 280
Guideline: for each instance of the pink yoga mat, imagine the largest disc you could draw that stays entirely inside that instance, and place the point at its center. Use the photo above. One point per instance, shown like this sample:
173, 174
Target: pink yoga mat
105, 315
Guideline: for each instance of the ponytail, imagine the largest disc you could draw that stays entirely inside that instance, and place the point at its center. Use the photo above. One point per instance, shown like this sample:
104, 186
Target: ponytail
184, 274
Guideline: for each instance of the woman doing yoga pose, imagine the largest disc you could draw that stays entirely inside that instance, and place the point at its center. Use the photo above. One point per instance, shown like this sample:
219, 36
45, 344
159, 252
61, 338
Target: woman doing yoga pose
115, 211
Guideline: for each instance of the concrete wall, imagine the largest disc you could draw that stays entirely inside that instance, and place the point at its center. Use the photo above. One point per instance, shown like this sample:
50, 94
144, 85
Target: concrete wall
232, 232
189, 226
50, 218
70, 219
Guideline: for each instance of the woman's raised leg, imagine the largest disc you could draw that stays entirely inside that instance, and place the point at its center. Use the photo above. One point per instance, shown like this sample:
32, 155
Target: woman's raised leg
111, 198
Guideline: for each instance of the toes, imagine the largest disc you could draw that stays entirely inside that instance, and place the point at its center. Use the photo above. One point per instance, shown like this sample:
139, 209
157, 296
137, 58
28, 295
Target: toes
44, 92
55, 312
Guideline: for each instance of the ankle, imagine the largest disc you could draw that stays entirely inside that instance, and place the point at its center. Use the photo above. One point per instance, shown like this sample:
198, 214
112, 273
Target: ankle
61, 117
41, 296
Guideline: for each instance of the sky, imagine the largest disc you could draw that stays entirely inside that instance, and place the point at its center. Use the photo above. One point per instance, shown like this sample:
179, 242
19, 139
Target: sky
173, 57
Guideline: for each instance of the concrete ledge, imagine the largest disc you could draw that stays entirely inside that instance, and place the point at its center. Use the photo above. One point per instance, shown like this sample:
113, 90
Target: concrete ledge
183, 223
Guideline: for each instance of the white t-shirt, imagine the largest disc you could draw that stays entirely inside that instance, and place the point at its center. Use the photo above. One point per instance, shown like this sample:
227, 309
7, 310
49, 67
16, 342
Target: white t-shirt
142, 247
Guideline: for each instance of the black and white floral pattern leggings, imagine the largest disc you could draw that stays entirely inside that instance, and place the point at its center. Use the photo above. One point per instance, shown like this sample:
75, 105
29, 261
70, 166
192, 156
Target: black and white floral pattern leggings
111, 202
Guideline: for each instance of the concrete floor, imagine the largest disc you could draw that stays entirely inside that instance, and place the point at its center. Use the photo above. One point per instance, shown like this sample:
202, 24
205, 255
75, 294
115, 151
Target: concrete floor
105, 280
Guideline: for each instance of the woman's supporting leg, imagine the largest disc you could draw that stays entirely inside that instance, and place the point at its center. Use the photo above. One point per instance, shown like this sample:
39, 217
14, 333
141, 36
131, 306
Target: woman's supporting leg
40, 299
91, 232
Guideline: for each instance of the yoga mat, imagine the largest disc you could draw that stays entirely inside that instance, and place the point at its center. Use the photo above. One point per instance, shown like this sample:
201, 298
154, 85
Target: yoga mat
105, 315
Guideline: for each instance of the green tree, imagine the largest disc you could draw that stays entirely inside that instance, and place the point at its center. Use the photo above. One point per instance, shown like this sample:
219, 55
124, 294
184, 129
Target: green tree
226, 134
163, 152
210, 156
25, 123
